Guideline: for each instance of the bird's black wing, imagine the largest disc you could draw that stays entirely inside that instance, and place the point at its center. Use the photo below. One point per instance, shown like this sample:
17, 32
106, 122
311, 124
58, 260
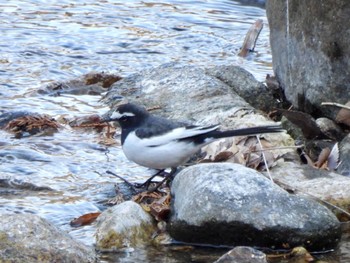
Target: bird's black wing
159, 131
156, 126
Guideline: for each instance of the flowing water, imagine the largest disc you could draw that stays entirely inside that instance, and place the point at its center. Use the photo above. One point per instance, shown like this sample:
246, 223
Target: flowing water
46, 41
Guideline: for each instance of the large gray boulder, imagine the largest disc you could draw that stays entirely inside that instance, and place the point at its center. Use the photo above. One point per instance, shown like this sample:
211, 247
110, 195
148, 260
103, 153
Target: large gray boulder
230, 204
194, 95
29, 238
311, 52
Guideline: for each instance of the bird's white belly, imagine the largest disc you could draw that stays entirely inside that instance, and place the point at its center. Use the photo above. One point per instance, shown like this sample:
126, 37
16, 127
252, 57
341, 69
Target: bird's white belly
171, 154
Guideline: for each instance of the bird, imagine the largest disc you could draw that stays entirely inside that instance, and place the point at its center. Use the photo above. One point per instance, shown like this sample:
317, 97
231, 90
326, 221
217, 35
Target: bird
159, 143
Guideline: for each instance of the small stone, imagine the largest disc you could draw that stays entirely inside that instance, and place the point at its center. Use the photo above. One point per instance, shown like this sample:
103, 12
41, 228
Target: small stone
243, 254
124, 226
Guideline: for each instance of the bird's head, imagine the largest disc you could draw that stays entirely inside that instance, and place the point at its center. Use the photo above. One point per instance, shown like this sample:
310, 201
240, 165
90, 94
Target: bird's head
127, 115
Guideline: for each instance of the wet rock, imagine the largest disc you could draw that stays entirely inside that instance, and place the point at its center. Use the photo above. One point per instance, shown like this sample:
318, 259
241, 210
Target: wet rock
19, 184
234, 205
29, 238
92, 84
311, 54
245, 85
243, 254
6, 117
322, 184
26, 123
124, 226
344, 155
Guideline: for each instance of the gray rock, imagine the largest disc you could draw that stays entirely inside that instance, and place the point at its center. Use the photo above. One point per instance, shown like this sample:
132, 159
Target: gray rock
245, 85
243, 254
317, 183
330, 129
29, 238
311, 52
234, 205
179, 92
189, 93
124, 226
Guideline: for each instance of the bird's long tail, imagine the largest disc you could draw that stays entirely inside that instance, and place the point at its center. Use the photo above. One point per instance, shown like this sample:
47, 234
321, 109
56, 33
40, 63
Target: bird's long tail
247, 131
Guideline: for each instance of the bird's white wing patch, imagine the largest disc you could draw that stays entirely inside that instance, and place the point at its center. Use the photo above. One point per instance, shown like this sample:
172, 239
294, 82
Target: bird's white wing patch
176, 134
117, 115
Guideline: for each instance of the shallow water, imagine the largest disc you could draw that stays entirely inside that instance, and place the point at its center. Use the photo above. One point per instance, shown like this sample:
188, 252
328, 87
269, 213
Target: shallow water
46, 41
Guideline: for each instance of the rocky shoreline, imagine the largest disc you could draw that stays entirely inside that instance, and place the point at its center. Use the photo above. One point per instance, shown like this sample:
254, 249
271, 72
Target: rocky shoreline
213, 203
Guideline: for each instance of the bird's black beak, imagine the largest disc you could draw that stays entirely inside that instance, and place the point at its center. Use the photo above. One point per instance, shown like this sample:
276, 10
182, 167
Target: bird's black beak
106, 117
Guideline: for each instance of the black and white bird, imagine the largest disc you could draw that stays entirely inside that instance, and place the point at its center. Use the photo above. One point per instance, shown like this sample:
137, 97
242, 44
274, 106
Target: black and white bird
160, 143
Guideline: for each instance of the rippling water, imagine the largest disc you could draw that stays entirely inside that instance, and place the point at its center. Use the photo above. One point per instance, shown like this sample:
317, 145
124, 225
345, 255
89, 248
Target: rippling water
46, 41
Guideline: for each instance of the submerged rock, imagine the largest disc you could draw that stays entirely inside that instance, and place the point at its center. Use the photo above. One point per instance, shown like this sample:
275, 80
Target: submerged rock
243, 254
124, 226
93, 83
29, 238
26, 123
229, 204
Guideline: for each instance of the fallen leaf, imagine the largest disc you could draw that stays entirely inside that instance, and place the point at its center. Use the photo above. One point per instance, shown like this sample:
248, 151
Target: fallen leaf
304, 121
84, 219
322, 157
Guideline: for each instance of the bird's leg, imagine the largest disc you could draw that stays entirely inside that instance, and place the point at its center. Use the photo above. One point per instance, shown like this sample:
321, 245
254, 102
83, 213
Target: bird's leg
149, 180
168, 178
171, 175
131, 185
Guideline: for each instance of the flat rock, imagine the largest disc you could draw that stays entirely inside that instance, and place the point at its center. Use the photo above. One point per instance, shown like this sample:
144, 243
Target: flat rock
191, 94
229, 204
318, 183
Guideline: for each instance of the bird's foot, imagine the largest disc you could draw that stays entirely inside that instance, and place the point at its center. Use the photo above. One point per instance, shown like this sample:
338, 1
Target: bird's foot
147, 183
167, 180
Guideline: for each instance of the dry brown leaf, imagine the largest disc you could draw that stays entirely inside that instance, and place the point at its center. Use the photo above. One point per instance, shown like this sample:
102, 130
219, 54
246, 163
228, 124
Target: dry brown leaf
304, 121
223, 156
323, 157
254, 162
155, 203
247, 151
238, 158
84, 219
